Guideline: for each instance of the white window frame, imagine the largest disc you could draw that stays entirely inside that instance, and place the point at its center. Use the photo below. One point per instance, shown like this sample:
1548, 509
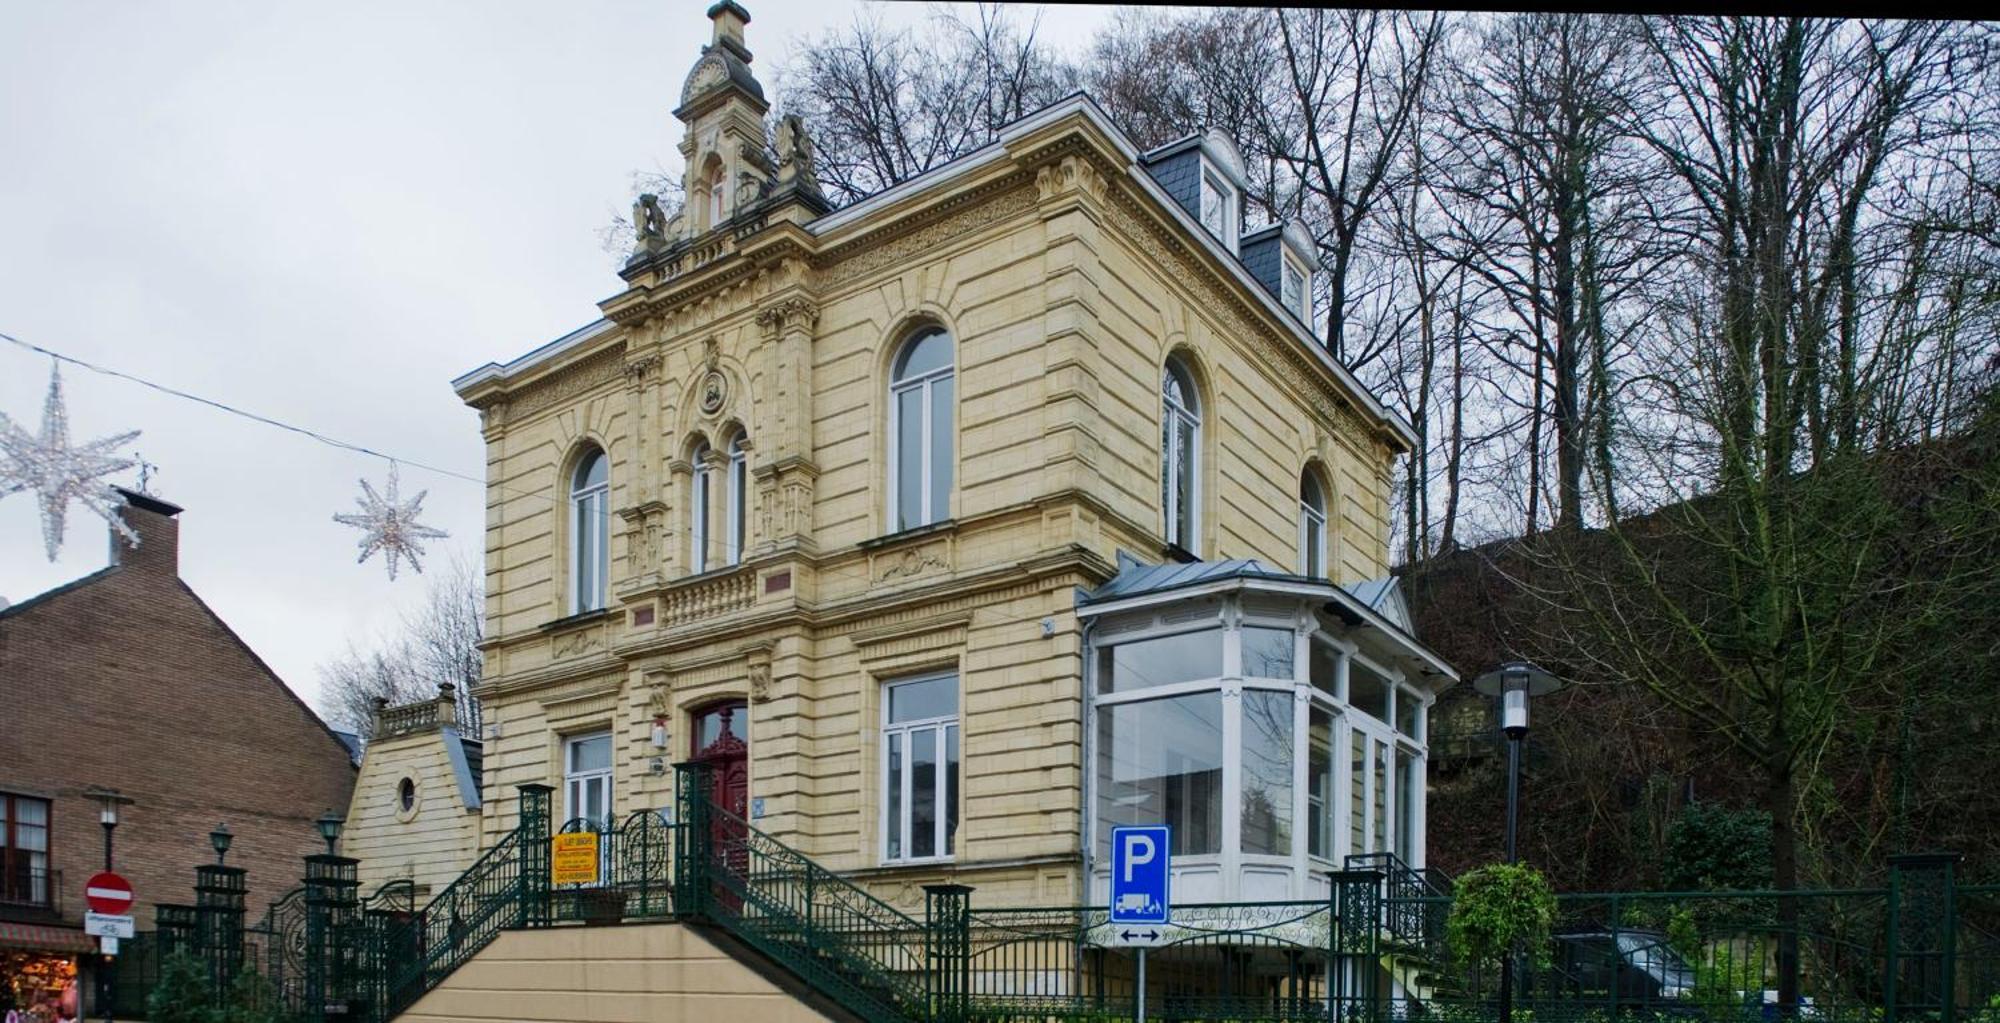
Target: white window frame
1212, 183
589, 527
1289, 270
701, 489
943, 726
1312, 526
574, 780
926, 384
1173, 413
737, 486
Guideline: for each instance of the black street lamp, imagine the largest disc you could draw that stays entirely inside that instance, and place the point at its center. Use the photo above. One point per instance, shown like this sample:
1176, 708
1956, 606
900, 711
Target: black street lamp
107, 815
1513, 683
220, 839
329, 828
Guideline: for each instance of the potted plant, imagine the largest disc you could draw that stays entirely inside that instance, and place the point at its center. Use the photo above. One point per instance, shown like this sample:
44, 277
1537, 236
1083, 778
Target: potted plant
601, 905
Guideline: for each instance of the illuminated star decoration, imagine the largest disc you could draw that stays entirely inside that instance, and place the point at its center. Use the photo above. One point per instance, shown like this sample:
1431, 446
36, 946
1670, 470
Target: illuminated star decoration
59, 473
390, 525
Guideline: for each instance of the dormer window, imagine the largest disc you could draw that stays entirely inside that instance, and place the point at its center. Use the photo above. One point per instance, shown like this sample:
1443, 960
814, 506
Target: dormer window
1218, 208
1293, 290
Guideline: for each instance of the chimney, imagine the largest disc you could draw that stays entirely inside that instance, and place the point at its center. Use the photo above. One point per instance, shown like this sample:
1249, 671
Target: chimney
730, 17
159, 534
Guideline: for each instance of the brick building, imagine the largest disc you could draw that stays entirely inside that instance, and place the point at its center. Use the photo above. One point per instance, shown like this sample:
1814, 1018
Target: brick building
125, 680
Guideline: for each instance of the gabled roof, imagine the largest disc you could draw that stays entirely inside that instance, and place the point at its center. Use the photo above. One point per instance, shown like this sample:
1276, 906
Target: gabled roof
1135, 578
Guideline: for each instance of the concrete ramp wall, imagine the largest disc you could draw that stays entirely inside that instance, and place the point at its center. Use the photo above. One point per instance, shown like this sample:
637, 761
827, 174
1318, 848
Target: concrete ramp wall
639, 973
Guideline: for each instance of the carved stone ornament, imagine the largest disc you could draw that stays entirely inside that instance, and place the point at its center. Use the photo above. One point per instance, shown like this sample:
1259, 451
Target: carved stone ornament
707, 73
760, 682
714, 392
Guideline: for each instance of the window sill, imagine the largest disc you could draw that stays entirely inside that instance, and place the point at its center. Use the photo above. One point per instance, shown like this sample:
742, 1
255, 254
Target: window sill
577, 620
912, 533
1175, 552
895, 866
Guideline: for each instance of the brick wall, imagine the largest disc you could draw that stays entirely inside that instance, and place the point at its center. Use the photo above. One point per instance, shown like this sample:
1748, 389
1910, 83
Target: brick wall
126, 680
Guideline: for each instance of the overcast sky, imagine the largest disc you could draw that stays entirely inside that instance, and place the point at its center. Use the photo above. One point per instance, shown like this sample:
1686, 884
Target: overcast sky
322, 213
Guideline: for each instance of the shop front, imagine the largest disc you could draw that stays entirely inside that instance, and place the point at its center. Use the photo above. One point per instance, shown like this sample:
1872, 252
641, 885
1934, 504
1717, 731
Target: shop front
40, 968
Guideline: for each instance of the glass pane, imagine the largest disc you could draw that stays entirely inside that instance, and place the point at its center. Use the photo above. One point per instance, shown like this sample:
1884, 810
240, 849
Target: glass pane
1267, 772
930, 698
1183, 657
592, 753
1319, 784
698, 520
1324, 666
1184, 474
1268, 653
893, 780
909, 458
1160, 762
1357, 793
1406, 798
940, 449
932, 351
950, 789
594, 807
594, 471
1367, 691
1408, 707
923, 792
1167, 464
739, 506
1381, 767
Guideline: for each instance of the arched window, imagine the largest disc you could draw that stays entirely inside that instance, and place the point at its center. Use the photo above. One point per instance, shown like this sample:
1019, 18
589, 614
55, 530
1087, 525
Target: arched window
589, 491
920, 425
1180, 457
698, 510
739, 502
1312, 527
716, 204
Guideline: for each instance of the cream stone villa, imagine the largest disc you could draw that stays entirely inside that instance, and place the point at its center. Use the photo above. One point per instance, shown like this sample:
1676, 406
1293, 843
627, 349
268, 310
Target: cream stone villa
957, 525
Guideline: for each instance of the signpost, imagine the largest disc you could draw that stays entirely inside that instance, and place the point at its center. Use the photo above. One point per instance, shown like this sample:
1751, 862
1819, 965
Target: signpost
574, 858
1141, 903
107, 925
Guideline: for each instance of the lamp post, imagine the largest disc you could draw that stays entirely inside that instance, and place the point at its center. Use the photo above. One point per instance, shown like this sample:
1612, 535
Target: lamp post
1513, 683
329, 828
220, 839
107, 815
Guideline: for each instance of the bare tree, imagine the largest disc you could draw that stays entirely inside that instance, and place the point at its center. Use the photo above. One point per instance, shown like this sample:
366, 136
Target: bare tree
885, 105
435, 643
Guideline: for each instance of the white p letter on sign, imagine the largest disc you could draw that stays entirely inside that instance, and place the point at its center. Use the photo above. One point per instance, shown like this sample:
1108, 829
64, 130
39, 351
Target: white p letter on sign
1138, 849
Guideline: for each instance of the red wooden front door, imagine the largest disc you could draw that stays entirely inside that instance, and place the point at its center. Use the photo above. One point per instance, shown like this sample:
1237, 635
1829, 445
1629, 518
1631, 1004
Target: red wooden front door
728, 759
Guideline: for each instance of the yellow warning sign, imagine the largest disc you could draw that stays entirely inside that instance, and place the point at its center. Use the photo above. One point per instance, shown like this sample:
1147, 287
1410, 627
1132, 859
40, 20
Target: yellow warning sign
575, 858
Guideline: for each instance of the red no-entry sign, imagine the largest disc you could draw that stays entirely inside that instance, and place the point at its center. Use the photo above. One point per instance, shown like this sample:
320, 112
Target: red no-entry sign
108, 893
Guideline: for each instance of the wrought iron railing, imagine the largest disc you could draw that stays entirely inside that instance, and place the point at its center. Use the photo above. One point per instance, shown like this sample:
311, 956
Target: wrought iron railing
851, 946
37, 891
1413, 899
415, 955
635, 871
1225, 961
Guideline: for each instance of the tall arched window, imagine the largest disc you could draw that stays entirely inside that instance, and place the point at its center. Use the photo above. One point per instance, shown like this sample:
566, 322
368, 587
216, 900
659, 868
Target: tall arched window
1180, 457
1312, 527
920, 425
716, 199
739, 502
698, 509
589, 491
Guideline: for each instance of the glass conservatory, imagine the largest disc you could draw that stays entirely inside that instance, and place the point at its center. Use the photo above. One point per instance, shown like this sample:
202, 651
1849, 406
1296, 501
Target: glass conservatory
1274, 722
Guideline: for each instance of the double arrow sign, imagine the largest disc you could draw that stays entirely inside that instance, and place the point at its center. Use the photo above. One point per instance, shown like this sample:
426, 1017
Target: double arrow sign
1131, 935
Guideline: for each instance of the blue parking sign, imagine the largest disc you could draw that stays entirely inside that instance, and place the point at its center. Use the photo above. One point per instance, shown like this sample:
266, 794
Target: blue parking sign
1140, 857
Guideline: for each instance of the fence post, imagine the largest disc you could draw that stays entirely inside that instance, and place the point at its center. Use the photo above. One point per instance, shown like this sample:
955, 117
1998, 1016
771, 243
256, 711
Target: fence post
948, 942
1358, 898
331, 896
533, 829
218, 899
1923, 930
691, 845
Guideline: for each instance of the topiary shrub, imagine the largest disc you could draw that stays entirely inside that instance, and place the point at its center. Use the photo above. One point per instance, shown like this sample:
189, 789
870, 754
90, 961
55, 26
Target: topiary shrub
1500, 909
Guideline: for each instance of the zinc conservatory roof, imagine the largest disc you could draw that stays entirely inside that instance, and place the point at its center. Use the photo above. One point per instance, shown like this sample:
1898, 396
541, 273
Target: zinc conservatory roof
1376, 604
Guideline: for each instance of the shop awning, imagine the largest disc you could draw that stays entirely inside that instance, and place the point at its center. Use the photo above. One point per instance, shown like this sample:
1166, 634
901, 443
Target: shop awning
45, 938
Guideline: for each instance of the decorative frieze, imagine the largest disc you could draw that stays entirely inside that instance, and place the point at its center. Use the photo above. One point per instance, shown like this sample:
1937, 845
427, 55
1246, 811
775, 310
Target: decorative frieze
979, 209
585, 375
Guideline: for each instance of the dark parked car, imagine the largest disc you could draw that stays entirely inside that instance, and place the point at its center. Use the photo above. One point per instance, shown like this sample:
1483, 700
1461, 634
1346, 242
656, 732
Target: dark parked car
1632, 966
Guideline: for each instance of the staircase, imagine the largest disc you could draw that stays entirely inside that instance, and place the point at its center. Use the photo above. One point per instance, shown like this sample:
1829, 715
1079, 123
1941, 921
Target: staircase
861, 953
1410, 940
